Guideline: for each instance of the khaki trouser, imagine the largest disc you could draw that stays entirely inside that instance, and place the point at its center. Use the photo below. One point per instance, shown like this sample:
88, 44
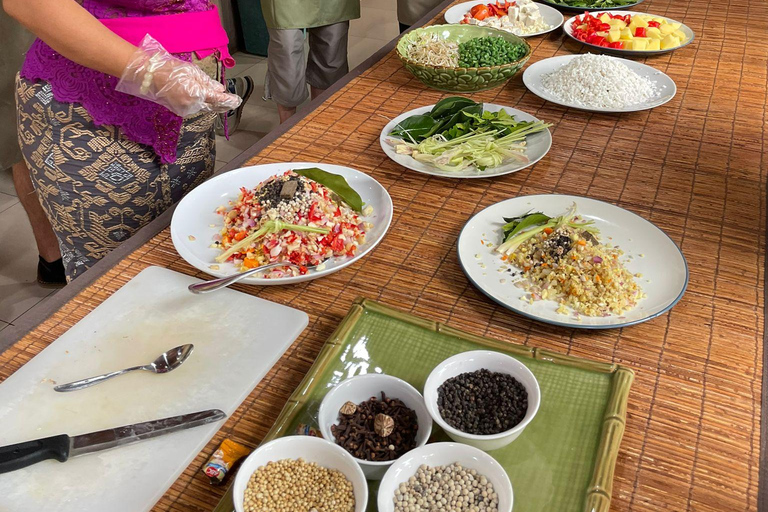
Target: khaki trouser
288, 75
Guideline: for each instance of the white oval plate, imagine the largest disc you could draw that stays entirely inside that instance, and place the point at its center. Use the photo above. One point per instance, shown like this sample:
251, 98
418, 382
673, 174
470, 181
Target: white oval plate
550, 15
196, 213
666, 88
568, 8
537, 144
568, 29
653, 254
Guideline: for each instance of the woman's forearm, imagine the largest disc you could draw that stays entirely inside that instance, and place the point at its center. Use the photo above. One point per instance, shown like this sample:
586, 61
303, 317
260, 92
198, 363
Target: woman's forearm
73, 32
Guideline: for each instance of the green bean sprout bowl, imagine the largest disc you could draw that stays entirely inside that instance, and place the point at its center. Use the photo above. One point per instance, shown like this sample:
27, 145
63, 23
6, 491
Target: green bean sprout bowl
461, 79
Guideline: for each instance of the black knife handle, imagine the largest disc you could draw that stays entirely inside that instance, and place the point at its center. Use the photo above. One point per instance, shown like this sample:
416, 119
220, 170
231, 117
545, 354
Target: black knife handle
21, 455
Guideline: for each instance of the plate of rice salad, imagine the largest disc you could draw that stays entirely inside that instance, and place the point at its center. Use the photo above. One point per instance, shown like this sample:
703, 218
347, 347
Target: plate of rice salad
529, 143
572, 261
599, 83
320, 217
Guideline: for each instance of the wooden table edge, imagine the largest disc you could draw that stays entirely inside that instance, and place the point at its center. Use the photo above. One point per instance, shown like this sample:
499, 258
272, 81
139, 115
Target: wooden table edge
42, 311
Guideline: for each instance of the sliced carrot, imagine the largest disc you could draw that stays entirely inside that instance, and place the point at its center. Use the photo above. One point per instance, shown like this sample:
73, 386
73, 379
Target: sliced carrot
548, 231
582, 242
250, 263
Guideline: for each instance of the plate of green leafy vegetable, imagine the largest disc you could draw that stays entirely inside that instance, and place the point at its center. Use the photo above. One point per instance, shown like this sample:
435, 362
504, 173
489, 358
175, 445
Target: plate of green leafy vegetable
460, 138
590, 5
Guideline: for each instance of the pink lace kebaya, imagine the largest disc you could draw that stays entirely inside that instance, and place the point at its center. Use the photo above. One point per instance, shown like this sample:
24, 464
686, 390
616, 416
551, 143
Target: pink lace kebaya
139, 120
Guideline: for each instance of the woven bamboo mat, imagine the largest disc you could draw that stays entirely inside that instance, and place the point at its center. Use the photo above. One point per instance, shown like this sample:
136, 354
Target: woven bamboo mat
692, 166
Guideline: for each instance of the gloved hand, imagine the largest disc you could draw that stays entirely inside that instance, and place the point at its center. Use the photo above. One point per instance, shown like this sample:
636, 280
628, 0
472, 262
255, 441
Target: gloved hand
181, 87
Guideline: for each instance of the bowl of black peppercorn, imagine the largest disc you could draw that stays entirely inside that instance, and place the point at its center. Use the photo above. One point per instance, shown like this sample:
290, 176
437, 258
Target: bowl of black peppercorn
376, 418
482, 398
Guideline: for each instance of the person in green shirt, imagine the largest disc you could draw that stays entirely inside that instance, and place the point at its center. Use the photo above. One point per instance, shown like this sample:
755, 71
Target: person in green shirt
411, 11
327, 25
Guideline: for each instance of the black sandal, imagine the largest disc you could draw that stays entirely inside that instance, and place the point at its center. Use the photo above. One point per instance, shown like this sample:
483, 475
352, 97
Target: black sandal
51, 274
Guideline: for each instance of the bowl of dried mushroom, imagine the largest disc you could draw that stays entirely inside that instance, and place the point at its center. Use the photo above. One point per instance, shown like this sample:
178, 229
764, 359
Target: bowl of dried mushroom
376, 418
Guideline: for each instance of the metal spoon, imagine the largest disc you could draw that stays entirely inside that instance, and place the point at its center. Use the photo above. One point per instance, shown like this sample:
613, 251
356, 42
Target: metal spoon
218, 284
166, 362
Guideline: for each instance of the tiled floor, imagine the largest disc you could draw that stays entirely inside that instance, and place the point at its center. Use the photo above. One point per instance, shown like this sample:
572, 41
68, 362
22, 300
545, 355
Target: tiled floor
18, 255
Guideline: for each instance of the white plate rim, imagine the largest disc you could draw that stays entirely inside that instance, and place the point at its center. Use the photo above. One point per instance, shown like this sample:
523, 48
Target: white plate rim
390, 152
569, 8
178, 238
567, 29
534, 70
572, 325
466, 6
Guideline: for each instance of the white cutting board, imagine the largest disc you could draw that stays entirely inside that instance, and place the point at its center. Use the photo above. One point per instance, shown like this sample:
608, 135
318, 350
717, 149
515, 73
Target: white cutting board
237, 339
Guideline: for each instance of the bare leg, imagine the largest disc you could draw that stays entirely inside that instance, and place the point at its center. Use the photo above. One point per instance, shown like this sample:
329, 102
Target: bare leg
47, 245
285, 112
314, 92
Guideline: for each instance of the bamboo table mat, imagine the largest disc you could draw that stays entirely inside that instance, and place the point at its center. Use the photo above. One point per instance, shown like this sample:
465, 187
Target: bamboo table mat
694, 167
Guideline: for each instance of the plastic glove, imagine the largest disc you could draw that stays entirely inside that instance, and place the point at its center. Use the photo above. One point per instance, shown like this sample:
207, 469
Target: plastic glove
181, 87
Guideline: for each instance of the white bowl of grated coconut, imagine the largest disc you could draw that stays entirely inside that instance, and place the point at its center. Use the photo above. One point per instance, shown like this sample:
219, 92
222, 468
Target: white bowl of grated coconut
482, 398
445, 476
300, 473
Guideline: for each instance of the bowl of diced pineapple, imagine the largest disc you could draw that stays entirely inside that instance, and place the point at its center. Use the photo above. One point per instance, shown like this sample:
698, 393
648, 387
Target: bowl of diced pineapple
628, 33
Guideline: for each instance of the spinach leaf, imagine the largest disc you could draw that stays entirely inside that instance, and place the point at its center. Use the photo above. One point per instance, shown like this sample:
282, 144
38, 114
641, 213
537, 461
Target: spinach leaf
450, 106
414, 127
336, 183
462, 115
437, 128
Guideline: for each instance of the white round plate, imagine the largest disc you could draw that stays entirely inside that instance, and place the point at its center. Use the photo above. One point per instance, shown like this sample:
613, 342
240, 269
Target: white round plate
549, 15
195, 221
647, 250
665, 86
569, 8
568, 29
537, 144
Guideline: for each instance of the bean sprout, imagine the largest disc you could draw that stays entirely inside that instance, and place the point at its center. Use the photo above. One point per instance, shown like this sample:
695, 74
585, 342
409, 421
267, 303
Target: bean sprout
433, 50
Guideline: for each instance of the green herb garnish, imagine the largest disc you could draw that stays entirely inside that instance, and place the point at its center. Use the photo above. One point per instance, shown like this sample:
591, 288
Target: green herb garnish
337, 184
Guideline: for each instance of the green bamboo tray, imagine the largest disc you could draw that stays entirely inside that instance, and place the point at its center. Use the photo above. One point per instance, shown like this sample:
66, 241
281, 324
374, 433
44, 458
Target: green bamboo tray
564, 460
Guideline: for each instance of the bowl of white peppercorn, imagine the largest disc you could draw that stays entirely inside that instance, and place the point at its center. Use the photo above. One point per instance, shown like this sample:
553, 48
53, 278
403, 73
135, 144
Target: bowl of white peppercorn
445, 476
376, 418
482, 398
300, 473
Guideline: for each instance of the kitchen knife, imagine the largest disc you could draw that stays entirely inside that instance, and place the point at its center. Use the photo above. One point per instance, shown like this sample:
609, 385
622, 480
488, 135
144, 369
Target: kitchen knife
62, 447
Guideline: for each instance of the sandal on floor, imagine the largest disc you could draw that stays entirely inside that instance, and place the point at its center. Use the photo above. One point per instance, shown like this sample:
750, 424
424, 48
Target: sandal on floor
51, 274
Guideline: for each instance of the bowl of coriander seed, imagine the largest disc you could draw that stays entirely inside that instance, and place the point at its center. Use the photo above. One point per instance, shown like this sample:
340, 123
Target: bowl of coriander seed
482, 398
445, 476
376, 418
300, 473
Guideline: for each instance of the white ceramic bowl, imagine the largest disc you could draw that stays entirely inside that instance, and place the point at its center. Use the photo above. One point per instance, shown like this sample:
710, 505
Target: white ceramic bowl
443, 454
311, 449
359, 389
470, 362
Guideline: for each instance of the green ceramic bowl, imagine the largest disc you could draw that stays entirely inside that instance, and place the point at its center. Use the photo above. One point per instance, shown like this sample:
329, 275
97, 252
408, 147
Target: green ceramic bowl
462, 79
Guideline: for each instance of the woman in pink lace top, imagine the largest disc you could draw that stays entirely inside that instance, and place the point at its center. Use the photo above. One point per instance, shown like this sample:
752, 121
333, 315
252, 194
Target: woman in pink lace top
116, 103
